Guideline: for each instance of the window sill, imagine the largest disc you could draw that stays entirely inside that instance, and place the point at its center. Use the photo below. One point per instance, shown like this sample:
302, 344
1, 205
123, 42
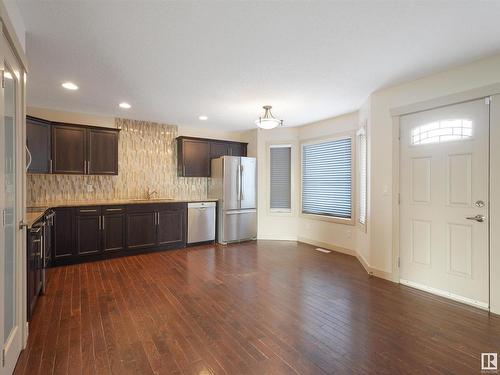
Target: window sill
330, 219
277, 212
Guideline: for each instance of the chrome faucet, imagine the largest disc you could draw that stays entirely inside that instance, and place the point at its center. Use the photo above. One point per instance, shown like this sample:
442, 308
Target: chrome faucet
151, 193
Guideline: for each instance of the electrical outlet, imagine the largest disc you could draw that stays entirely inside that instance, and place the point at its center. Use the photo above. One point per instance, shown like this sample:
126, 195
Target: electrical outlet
90, 188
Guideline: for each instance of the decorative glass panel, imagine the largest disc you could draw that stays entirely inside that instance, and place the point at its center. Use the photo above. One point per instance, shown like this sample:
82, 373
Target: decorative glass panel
441, 131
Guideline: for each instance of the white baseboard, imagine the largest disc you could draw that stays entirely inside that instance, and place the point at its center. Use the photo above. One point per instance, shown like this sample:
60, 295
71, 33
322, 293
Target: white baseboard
327, 246
277, 238
443, 293
374, 271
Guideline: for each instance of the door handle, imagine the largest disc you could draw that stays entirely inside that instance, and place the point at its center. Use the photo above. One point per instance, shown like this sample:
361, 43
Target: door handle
479, 218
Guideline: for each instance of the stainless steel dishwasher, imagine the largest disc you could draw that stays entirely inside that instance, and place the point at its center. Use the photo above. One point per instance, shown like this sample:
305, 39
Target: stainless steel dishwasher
201, 222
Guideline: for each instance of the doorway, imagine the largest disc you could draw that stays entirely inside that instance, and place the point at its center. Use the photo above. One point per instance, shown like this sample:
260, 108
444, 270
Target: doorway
444, 179
12, 259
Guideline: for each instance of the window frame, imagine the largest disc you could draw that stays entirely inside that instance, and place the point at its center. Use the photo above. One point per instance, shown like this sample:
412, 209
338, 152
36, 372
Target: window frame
338, 136
362, 132
280, 211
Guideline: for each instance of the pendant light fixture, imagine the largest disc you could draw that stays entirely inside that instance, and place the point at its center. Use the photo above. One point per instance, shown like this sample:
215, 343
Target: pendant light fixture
268, 121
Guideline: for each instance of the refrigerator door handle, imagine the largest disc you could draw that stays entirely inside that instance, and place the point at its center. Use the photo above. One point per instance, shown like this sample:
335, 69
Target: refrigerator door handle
236, 212
241, 182
239, 185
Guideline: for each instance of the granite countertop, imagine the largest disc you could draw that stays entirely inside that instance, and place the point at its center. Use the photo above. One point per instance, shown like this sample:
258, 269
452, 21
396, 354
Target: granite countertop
36, 212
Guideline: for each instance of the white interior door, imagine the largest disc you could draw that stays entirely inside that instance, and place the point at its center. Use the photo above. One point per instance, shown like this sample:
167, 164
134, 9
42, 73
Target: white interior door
444, 185
12, 293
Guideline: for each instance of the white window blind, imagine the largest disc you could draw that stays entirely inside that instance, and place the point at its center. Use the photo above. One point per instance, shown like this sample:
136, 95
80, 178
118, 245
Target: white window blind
280, 171
327, 178
362, 170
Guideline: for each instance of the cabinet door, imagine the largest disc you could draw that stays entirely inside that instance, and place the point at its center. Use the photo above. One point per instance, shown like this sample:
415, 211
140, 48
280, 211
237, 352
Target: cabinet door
38, 143
113, 230
68, 149
218, 149
171, 226
63, 234
195, 158
141, 229
88, 234
237, 149
34, 274
102, 151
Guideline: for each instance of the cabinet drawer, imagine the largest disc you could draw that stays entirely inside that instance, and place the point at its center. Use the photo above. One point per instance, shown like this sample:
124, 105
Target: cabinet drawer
110, 210
91, 210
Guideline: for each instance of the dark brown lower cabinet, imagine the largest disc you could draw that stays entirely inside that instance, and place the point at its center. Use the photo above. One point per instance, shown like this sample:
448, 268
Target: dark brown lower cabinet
91, 233
170, 223
34, 266
141, 229
64, 244
88, 234
113, 232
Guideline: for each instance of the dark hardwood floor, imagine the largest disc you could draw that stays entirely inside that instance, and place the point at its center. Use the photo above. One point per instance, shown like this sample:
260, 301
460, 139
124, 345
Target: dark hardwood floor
264, 307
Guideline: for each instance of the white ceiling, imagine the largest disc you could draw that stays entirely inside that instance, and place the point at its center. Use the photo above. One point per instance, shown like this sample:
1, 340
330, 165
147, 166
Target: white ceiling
174, 61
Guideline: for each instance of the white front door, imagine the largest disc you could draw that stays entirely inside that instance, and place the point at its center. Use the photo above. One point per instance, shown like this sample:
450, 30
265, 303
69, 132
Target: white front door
12, 260
444, 185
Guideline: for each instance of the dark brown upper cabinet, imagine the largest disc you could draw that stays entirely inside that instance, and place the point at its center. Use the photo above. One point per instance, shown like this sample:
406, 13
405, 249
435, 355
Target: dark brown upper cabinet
102, 151
69, 149
38, 144
218, 149
237, 149
195, 158
194, 154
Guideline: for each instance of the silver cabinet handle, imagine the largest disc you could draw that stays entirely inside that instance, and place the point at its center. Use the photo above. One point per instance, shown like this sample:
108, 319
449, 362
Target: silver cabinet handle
114, 209
158, 220
103, 221
94, 210
479, 218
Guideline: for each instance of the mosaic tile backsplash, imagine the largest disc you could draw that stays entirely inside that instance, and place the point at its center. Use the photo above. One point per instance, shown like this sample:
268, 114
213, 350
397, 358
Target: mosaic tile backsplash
147, 159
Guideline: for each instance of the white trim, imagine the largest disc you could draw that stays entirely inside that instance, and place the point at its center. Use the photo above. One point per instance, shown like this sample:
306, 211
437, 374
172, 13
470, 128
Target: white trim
343, 135
443, 101
361, 132
445, 294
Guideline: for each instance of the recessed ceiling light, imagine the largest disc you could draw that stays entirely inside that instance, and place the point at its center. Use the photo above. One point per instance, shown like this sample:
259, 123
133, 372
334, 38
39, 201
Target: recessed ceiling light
202, 118
69, 86
125, 105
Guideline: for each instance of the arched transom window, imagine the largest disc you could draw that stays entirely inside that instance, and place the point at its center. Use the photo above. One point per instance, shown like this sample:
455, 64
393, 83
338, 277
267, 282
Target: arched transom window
441, 131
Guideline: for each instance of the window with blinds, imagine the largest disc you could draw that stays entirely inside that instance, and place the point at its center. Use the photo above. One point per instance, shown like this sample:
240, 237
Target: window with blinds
362, 178
327, 178
280, 177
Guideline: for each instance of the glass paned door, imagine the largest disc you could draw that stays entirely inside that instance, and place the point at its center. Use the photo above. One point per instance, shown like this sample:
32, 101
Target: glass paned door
12, 175
9, 203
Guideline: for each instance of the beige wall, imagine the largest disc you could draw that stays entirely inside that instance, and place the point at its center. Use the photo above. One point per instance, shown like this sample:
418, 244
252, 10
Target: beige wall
293, 226
384, 147
209, 133
318, 232
480, 73
72, 117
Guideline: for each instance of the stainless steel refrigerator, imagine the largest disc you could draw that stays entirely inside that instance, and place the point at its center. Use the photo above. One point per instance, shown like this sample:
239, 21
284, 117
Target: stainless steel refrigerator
233, 183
